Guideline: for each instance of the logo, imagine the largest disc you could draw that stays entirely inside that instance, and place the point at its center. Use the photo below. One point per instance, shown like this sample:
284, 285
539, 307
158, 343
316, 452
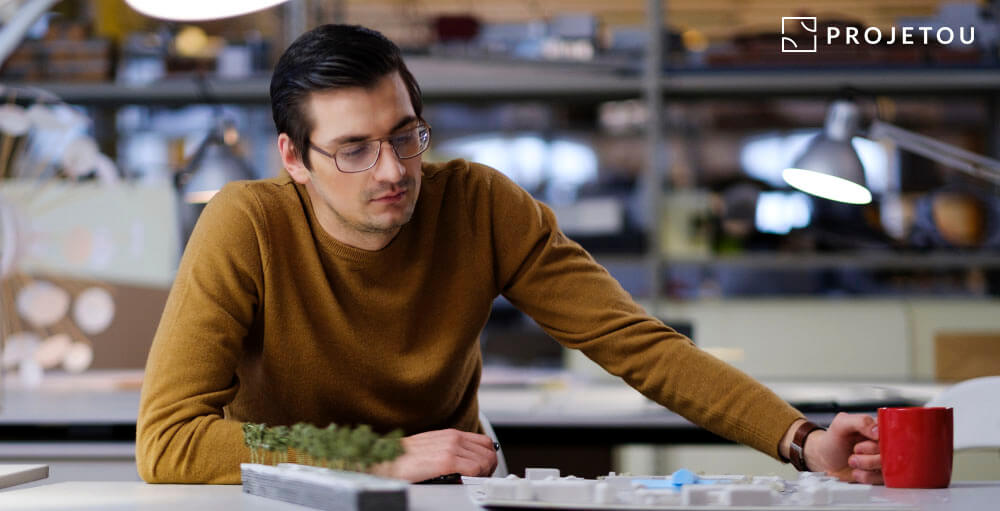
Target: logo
791, 24
795, 32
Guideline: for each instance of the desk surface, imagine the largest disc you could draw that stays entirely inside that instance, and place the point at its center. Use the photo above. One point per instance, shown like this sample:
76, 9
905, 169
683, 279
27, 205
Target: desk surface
127, 496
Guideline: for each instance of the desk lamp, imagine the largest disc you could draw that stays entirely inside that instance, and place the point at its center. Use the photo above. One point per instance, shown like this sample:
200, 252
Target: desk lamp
214, 164
199, 10
830, 168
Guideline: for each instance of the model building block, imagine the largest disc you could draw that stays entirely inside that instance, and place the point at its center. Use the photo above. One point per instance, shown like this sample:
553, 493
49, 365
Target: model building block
323, 488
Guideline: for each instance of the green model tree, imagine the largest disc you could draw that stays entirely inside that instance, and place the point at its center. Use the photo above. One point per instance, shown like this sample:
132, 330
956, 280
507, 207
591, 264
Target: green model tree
337, 447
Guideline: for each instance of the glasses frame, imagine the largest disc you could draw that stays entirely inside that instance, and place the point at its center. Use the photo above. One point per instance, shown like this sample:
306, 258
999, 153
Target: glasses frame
378, 153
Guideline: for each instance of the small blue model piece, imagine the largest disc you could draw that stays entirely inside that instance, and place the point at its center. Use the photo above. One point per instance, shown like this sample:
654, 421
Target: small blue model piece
684, 476
675, 482
655, 484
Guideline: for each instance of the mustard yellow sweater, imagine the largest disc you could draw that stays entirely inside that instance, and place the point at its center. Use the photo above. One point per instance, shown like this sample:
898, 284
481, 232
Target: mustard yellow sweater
272, 320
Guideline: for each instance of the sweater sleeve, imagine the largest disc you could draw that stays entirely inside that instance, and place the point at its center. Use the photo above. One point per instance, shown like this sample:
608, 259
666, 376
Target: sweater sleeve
182, 435
576, 301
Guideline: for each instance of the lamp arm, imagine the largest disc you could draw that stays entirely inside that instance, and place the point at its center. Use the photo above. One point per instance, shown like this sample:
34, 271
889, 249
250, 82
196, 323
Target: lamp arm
14, 29
947, 154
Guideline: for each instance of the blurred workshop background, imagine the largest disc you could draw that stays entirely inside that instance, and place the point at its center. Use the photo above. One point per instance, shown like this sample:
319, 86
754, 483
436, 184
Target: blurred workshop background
659, 131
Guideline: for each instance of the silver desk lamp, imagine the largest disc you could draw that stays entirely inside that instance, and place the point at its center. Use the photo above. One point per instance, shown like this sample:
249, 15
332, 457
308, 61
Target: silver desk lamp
830, 168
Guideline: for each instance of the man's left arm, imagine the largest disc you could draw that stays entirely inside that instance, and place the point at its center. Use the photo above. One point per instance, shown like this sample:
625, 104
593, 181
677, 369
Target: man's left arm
576, 301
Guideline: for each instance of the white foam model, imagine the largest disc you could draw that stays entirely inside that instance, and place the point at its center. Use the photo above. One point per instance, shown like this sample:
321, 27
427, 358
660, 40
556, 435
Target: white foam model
543, 489
538, 474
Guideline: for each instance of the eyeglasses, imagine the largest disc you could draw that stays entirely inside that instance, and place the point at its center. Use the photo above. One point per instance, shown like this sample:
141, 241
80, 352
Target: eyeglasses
361, 156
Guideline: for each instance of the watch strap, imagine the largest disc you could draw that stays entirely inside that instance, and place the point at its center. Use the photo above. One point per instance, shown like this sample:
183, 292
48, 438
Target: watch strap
797, 451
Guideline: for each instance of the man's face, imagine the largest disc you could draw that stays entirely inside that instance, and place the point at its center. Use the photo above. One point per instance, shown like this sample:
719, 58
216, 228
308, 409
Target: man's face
373, 204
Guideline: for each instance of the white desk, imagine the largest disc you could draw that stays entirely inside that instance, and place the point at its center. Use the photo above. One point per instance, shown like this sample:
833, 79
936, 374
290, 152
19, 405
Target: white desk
129, 496
126, 496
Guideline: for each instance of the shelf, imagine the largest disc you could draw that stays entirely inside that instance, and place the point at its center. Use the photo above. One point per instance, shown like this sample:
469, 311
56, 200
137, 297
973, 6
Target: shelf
824, 82
863, 260
471, 80
439, 79
168, 92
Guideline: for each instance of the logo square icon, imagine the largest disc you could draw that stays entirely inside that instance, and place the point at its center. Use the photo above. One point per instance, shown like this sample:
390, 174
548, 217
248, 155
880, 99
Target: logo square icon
790, 26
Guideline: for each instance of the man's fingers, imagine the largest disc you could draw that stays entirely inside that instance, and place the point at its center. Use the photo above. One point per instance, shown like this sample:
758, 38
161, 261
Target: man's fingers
446, 436
868, 476
448, 451
862, 424
486, 459
479, 439
865, 461
866, 447
458, 443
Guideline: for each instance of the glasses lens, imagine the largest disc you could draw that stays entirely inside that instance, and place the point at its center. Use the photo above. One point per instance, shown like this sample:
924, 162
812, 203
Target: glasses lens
357, 157
411, 143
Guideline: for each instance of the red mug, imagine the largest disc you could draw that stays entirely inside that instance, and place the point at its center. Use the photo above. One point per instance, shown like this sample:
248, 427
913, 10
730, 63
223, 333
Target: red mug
916, 446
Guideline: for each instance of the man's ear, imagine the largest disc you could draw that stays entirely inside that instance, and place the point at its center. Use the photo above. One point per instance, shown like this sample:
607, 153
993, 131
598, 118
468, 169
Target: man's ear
292, 160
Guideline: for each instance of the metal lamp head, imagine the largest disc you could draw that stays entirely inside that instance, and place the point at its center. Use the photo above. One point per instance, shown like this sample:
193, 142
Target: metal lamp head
214, 164
830, 167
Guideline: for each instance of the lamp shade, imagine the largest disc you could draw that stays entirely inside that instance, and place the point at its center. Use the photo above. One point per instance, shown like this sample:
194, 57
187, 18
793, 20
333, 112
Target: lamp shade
830, 167
213, 165
199, 10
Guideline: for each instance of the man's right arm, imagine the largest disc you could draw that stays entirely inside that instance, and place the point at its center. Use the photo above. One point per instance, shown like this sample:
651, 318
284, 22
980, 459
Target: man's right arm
182, 435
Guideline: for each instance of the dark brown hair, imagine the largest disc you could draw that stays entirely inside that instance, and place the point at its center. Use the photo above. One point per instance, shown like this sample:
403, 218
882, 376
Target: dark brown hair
331, 57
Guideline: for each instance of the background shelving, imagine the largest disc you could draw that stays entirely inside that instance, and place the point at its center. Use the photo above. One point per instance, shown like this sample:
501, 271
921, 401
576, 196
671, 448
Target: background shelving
445, 79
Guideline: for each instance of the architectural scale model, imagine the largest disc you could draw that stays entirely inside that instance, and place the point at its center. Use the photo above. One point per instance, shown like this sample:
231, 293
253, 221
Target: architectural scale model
543, 488
330, 473
324, 488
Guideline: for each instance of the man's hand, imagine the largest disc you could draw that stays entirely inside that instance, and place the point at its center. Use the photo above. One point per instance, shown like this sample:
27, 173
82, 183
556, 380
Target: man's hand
436, 453
848, 450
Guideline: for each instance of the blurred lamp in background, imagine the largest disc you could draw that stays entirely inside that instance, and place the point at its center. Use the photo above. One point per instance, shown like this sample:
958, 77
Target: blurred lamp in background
214, 164
199, 10
830, 168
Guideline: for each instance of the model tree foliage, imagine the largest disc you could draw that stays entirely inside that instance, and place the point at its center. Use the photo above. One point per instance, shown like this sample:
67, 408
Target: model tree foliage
336, 447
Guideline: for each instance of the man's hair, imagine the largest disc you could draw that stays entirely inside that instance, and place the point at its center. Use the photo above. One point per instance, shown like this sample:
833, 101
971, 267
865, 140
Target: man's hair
331, 57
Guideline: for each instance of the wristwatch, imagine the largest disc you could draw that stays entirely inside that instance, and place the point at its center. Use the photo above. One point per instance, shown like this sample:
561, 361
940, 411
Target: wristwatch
797, 451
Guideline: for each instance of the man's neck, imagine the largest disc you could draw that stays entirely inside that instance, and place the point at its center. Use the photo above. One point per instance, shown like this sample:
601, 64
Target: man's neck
370, 242
341, 231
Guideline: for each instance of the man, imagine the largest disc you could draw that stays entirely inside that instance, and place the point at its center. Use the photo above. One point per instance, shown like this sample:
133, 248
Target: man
353, 291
